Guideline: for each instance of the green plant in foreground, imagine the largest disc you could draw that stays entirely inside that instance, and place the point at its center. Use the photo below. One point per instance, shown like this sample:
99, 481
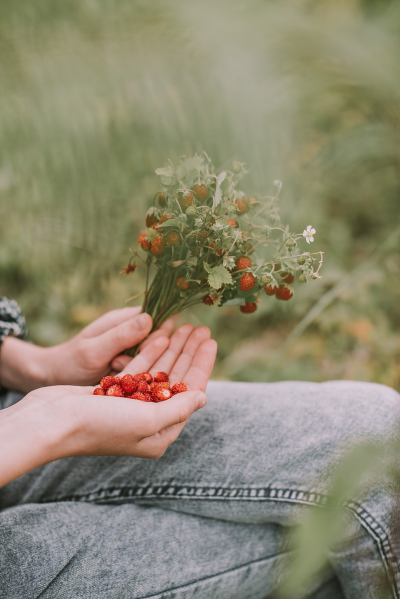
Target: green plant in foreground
208, 242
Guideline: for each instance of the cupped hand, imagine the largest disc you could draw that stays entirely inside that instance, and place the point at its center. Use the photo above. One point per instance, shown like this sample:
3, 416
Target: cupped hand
102, 425
95, 351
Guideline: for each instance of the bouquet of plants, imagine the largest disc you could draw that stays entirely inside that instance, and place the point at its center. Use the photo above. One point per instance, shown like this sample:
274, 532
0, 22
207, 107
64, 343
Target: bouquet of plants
207, 242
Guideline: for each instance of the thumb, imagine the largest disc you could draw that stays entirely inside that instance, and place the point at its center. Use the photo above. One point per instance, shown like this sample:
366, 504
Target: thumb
121, 337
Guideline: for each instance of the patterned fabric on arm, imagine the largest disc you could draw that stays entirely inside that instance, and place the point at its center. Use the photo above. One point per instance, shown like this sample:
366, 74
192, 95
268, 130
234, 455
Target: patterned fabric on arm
11, 320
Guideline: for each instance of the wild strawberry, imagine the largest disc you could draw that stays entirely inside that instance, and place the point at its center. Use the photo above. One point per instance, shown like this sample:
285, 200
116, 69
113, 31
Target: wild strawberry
178, 388
208, 301
248, 308
185, 199
161, 395
231, 222
202, 235
139, 396
182, 283
242, 206
158, 246
247, 282
143, 241
276, 267
99, 391
115, 391
200, 191
270, 289
148, 397
107, 382
284, 293
143, 376
161, 198
143, 387
288, 277
130, 268
129, 384
161, 377
218, 252
173, 238
243, 262
151, 220
153, 386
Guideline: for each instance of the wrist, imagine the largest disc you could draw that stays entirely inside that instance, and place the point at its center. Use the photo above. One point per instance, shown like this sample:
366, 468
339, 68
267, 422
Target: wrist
23, 366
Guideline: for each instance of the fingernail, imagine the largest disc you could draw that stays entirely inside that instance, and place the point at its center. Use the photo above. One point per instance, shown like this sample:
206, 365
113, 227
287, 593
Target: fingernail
201, 399
142, 321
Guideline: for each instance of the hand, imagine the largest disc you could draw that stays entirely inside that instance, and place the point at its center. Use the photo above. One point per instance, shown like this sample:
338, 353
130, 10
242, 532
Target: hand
68, 421
84, 359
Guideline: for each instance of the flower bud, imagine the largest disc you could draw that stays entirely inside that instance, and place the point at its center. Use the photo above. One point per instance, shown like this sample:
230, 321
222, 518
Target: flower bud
301, 260
191, 211
290, 242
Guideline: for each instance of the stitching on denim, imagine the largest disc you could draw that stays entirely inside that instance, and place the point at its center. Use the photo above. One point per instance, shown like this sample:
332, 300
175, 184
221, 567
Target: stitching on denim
312, 498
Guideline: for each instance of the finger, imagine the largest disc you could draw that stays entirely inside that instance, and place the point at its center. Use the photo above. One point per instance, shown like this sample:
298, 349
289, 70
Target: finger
166, 330
145, 360
116, 340
155, 446
202, 364
178, 409
109, 320
184, 361
178, 342
120, 363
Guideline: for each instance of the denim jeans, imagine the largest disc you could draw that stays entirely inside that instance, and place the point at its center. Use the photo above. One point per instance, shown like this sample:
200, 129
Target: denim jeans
208, 519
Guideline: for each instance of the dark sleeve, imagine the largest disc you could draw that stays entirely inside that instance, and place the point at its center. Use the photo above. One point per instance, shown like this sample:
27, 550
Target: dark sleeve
11, 320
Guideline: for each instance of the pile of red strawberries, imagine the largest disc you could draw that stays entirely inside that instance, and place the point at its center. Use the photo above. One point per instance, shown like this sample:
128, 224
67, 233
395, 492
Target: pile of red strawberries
143, 387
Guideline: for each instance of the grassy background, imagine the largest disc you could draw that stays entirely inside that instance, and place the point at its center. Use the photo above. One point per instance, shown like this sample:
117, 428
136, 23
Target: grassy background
95, 94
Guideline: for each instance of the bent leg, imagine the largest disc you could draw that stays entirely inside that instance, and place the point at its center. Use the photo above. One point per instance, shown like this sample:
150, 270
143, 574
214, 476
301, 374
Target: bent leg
258, 454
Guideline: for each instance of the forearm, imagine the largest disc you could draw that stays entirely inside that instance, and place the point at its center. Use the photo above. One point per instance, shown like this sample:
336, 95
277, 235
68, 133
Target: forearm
22, 365
31, 434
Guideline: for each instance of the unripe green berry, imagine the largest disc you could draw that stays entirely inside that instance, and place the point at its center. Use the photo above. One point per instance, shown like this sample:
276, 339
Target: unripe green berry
266, 279
231, 209
302, 278
314, 277
301, 260
290, 242
191, 210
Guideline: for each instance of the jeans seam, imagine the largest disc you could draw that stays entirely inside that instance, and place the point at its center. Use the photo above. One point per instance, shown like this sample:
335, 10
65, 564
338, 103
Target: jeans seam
272, 493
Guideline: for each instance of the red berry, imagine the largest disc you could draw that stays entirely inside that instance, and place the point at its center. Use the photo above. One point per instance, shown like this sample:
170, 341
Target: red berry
200, 191
129, 384
139, 396
248, 308
243, 262
182, 283
208, 301
161, 377
185, 199
178, 388
158, 246
247, 282
270, 290
231, 222
151, 220
242, 206
115, 391
218, 252
130, 268
143, 387
288, 277
99, 391
161, 395
143, 241
284, 293
164, 218
148, 397
154, 386
107, 382
173, 238
161, 198
144, 376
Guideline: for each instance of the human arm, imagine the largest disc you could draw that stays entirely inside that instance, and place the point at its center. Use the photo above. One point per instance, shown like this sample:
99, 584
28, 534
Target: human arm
57, 422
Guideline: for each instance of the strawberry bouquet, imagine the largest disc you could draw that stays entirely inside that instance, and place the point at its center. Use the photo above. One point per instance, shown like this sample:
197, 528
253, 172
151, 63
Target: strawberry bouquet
207, 242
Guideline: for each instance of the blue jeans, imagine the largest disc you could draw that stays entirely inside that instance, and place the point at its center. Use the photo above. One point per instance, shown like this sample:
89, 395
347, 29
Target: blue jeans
209, 518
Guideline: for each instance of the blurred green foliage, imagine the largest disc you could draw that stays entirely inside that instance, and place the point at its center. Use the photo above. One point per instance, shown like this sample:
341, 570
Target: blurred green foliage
95, 94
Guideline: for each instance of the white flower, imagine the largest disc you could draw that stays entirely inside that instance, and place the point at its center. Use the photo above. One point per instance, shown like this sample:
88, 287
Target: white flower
308, 234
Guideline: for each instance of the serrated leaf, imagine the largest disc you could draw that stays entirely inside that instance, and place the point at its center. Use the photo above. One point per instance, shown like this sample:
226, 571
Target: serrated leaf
168, 171
173, 222
194, 162
225, 275
166, 180
151, 234
214, 280
218, 192
237, 301
181, 172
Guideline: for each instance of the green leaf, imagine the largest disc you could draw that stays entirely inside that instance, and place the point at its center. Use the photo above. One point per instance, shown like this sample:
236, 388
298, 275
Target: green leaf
151, 234
218, 192
207, 267
237, 301
173, 222
214, 280
193, 163
168, 171
225, 275
181, 172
